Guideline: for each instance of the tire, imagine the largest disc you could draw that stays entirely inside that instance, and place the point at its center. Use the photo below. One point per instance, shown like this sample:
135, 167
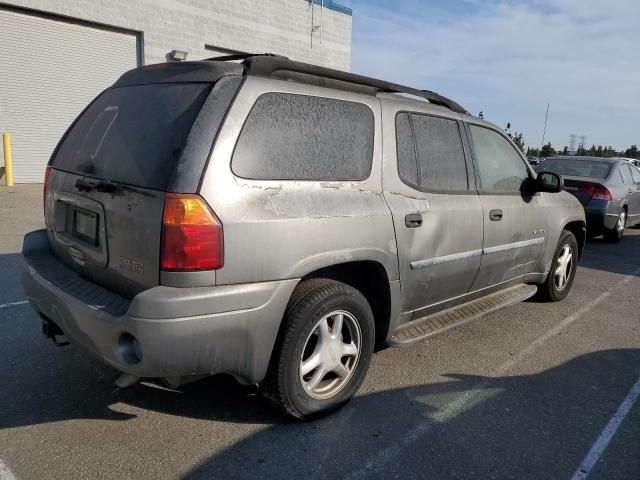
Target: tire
553, 290
615, 235
314, 308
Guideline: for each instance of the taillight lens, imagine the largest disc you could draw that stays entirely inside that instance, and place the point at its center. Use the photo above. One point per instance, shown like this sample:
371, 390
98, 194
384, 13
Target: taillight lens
191, 235
597, 192
47, 172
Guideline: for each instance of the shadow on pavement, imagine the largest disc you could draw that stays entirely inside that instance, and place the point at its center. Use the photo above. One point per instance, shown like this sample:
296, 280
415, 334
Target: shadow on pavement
622, 258
530, 426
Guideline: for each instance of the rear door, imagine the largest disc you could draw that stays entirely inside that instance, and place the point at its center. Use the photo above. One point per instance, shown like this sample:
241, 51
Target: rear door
515, 222
108, 178
634, 193
436, 211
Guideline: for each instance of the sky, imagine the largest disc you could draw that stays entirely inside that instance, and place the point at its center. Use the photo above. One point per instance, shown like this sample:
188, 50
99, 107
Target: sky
509, 59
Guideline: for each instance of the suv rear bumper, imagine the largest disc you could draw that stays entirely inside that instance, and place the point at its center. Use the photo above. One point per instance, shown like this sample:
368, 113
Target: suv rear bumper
177, 331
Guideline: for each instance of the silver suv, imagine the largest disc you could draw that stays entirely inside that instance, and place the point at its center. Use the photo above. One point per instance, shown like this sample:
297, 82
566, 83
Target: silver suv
278, 221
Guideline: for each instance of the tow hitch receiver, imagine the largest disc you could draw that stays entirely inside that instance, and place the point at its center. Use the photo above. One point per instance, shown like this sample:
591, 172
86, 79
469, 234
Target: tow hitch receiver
53, 331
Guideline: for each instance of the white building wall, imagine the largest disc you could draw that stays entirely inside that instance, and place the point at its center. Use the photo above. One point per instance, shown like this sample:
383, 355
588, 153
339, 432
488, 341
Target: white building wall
257, 26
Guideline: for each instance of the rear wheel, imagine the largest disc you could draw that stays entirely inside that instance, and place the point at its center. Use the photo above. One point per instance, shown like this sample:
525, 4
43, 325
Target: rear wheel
615, 235
323, 350
563, 269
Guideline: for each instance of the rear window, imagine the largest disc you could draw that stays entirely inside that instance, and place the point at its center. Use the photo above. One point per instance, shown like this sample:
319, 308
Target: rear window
300, 137
577, 168
133, 135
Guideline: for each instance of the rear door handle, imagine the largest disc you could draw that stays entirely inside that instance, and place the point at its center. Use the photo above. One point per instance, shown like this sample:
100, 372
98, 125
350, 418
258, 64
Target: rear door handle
413, 220
495, 215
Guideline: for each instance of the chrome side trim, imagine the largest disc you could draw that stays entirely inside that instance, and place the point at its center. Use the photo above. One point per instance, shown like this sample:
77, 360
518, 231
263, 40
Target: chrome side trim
445, 259
474, 253
511, 246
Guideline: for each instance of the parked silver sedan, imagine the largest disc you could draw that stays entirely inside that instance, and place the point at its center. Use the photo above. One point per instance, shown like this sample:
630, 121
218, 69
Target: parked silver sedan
608, 188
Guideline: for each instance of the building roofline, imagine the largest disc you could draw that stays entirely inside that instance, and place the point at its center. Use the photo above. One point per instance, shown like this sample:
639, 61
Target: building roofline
333, 5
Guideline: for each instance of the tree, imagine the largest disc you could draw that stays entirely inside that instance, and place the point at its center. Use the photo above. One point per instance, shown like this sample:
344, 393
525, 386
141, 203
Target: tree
592, 151
533, 152
581, 150
518, 140
565, 151
547, 151
632, 152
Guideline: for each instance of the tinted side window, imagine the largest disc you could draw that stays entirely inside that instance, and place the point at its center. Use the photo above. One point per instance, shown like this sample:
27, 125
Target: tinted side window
441, 163
626, 174
501, 168
299, 137
407, 163
635, 173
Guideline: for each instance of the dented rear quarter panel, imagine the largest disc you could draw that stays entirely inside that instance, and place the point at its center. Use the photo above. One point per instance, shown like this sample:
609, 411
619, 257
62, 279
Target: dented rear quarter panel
285, 229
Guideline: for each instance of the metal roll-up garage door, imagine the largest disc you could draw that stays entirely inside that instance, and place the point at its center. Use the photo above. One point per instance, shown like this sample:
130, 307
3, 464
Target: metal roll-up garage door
51, 69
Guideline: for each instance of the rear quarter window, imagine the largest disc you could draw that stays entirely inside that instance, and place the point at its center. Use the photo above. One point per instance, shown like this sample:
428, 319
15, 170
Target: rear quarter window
300, 137
430, 153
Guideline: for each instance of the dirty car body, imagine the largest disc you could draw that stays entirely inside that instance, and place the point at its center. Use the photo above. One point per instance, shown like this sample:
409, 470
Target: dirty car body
301, 177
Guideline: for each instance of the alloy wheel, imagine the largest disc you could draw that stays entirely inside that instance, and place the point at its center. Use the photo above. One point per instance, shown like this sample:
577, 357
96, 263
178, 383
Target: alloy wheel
330, 355
622, 220
564, 267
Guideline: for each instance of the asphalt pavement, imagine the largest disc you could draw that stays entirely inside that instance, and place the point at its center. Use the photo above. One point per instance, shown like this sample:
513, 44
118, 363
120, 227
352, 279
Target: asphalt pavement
533, 391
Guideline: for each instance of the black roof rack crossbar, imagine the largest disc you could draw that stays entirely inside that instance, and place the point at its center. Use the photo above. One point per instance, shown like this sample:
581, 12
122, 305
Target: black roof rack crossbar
282, 67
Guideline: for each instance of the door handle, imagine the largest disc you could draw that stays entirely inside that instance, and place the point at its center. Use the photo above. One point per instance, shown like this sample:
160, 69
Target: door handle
413, 220
495, 215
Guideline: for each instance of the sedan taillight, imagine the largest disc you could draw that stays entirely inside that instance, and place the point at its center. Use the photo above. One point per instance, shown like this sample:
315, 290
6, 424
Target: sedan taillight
597, 192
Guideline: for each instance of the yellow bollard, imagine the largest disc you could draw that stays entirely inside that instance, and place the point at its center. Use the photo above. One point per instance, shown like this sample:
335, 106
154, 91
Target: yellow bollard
8, 173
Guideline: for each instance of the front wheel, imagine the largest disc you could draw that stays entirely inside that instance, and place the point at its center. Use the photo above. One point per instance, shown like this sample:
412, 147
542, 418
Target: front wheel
615, 235
563, 269
323, 350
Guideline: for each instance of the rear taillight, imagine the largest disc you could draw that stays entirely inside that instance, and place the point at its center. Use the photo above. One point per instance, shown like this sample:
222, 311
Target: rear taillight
47, 172
191, 235
597, 192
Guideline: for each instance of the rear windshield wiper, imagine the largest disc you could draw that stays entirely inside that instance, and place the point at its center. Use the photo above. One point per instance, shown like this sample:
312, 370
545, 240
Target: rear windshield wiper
106, 186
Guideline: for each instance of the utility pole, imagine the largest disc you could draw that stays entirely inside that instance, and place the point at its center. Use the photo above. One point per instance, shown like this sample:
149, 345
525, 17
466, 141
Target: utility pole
544, 132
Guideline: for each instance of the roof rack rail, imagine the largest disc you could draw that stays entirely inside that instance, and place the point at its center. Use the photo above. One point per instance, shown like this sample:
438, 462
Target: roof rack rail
278, 66
282, 67
241, 56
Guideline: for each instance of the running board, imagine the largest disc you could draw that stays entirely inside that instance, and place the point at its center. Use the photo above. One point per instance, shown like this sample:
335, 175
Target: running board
409, 333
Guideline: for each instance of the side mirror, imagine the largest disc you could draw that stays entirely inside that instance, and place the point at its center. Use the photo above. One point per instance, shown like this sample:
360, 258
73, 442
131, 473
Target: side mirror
549, 182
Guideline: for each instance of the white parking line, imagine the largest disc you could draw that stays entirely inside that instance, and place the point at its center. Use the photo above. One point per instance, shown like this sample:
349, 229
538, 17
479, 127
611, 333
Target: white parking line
387, 455
12, 304
5, 473
607, 434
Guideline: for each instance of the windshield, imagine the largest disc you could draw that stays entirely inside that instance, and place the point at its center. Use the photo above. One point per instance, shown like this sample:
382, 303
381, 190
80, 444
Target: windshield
577, 168
133, 135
